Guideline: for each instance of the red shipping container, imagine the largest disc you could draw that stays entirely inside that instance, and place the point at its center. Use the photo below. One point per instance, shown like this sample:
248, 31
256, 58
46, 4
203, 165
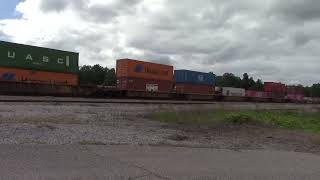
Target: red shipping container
251, 93
138, 84
274, 87
194, 89
277, 95
295, 97
294, 90
260, 94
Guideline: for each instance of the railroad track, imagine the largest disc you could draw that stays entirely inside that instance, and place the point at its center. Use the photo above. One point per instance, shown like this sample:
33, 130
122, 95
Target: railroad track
109, 101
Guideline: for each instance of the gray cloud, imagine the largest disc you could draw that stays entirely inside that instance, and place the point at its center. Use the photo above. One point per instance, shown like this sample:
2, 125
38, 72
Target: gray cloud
273, 40
91, 12
301, 38
54, 5
297, 10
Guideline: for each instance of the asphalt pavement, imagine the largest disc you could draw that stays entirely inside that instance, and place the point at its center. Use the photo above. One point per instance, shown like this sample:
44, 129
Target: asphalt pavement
145, 162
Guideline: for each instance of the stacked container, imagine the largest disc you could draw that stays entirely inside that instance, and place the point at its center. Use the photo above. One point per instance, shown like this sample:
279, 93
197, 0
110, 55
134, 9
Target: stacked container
230, 91
144, 76
295, 93
37, 65
275, 90
194, 82
258, 94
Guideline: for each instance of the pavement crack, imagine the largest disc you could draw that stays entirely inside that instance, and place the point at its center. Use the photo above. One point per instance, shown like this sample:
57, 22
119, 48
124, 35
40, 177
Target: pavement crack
132, 165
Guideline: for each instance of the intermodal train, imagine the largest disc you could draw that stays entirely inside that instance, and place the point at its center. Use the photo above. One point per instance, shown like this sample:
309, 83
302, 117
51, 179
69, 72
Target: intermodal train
30, 70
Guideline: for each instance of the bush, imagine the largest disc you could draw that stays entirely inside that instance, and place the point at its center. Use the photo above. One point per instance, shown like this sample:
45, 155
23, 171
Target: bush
241, 119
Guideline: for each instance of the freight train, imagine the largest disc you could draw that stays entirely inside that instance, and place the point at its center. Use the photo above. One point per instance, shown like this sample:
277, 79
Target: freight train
29, 70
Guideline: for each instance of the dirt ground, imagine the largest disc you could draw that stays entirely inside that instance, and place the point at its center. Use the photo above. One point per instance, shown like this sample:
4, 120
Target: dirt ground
129, 124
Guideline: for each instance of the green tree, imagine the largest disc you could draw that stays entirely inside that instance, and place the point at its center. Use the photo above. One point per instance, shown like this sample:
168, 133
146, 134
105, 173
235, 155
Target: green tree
110, 78
245, 81
228, 80
259, 85
98, 74
315, 90
85, 74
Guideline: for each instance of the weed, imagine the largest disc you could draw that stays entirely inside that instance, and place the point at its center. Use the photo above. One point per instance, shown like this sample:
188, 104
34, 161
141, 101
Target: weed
309, 122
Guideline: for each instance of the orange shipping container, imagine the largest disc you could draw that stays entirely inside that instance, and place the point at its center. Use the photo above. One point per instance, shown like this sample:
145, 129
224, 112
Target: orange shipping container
13, 74
144, 70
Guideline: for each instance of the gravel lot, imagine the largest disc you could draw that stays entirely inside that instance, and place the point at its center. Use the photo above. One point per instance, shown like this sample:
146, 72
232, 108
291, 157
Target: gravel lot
128, 124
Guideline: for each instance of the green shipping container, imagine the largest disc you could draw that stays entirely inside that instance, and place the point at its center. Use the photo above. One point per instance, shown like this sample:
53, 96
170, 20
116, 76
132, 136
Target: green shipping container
14, 55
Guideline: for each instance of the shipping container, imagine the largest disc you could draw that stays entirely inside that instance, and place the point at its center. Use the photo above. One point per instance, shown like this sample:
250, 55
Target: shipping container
128, 68
229, 91
14, 55
22, 75
259, 94
36, 89
194, 77
294, 90
295, 97
194, 89
276, 95
274, 87
138, 84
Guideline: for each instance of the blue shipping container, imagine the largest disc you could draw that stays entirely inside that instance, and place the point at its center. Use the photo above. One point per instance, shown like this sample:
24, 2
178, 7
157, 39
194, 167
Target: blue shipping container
193, 77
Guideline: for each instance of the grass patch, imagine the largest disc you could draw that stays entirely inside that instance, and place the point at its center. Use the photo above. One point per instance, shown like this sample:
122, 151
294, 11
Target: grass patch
309, 122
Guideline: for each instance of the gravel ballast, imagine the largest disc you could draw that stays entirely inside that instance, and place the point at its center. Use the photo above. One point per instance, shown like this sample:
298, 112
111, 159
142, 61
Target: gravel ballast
129, 124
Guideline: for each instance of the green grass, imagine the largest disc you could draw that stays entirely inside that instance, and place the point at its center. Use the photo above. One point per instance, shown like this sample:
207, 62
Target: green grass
309, 122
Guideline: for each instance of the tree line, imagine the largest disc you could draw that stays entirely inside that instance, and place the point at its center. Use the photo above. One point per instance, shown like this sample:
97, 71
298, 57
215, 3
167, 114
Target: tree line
98, 75
230, 80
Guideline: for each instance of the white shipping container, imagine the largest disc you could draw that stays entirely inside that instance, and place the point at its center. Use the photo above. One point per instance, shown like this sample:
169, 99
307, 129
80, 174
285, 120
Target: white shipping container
229, 91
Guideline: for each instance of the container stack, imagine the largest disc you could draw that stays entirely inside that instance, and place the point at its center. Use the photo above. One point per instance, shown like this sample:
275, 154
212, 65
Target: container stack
230, 91
275, 90
144, 76
295, 93
32, 64
257, 94
194, 82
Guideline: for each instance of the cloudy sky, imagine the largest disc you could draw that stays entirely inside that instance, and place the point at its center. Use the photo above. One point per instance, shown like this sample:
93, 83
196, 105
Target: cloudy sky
275, 40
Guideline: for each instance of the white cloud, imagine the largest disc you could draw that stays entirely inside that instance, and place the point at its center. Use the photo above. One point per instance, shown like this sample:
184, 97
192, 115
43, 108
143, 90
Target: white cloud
269, 40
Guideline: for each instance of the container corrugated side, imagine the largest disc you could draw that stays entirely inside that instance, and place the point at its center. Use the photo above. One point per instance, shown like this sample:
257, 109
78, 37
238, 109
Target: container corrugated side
22, 75
138, 84
14, 55
194, 89
274, 87
294, 90
143, 70
229, 91
259, 94
194, 77
295, 97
